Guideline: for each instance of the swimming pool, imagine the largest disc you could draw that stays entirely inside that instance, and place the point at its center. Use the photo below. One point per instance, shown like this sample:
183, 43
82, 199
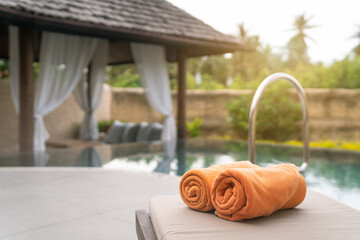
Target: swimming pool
331, 172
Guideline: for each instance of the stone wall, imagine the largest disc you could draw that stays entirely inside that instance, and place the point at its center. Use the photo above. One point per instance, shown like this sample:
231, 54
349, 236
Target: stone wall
334, 113
63, 122
8, 118
130, 104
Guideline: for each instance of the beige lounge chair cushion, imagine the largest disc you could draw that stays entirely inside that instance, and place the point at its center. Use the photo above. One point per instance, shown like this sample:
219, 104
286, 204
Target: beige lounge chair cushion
318, 217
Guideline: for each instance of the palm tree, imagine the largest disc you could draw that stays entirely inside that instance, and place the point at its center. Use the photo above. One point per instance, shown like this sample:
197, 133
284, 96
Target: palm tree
250, 41
297, 46
243, 33
246, 66
243, 63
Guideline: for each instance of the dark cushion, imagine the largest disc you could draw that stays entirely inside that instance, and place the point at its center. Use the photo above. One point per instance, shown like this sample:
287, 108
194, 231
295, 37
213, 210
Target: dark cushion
115, 132
130, 132
155, 132
142, 133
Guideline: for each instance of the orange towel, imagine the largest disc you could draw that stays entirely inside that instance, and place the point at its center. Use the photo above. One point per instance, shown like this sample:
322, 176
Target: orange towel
195, 184
240, 193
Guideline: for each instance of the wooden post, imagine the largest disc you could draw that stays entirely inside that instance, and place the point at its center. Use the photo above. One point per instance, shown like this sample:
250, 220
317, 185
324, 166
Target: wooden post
88, 80
88, 92
181, 98
26, 90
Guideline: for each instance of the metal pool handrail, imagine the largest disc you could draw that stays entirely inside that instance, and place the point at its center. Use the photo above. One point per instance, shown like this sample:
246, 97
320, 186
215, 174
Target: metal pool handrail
253, 110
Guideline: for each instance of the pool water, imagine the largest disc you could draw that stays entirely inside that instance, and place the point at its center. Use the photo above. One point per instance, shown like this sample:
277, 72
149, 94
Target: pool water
331, 172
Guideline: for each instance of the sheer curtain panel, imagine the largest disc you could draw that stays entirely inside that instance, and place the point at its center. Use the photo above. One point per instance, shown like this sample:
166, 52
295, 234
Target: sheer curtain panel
151, 65
89, 99
62, 60
14, 65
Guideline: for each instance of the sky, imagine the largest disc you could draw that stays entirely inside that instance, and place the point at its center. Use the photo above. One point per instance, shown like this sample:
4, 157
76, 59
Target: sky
336, 20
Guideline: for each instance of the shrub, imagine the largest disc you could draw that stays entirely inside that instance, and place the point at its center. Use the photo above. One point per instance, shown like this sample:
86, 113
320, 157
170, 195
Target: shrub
277, 115
193, 128
104, 125
329, 144
124, 76
4, 68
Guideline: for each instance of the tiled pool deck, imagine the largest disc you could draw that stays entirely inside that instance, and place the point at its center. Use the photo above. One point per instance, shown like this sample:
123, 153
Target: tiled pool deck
75, 203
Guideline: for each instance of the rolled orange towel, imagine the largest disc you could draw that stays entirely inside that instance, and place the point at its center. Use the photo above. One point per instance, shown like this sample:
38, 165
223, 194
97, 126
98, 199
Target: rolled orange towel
195, 184
240, 193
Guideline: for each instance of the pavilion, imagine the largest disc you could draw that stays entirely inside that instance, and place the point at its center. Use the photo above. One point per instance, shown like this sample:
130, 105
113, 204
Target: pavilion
123, 24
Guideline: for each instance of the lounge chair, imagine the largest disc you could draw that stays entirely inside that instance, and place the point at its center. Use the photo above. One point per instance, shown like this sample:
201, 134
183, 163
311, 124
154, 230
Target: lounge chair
318, 217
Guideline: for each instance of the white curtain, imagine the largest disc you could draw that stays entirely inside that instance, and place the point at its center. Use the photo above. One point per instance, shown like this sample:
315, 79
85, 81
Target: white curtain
151, 65
14, 65
89, 100
62, 60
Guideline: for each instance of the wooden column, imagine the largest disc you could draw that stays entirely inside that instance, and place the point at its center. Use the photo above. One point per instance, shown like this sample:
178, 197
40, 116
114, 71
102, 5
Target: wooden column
181, 98
26, 90
88, 92
89, 85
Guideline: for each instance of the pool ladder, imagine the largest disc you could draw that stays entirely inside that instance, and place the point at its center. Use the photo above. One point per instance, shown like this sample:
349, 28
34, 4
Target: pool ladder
253, 110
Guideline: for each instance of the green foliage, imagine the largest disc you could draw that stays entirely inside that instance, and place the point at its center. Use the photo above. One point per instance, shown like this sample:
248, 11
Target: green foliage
5, 73
36, 70
123, 76
4, 68
126, 76
247, 69
190, 81
215, 66
104, 125
341, 74
209, 83
276, 118
173, 71
193, 128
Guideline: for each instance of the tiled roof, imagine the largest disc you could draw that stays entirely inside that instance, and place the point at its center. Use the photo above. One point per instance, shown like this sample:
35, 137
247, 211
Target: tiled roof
154, 16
